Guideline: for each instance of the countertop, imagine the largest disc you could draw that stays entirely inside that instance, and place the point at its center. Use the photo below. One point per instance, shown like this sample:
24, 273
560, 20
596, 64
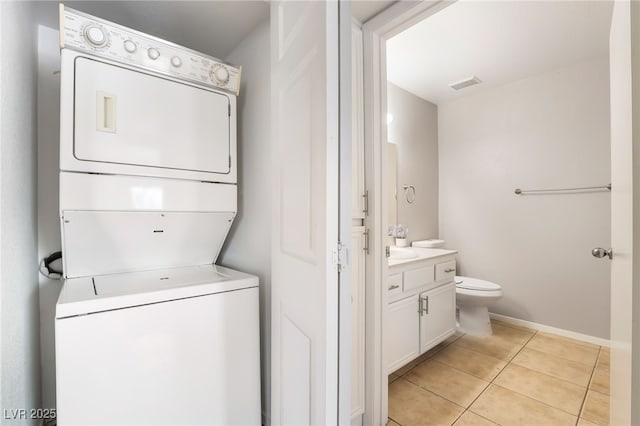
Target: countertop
423, 254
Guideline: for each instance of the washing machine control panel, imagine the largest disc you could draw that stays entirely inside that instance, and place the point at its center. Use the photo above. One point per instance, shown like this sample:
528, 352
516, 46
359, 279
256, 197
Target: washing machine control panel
83, 32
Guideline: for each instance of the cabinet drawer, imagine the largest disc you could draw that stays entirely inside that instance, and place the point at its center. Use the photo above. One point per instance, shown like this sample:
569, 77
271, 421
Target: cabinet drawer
395, 286
418, 277
446, 271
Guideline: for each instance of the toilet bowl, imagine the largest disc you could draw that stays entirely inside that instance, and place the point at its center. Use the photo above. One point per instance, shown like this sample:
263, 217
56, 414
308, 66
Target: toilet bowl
473, 297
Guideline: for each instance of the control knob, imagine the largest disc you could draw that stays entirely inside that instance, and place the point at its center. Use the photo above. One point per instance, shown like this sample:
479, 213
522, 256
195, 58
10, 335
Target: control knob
153, 53
220, 74
176, 61
130, 46
95, 35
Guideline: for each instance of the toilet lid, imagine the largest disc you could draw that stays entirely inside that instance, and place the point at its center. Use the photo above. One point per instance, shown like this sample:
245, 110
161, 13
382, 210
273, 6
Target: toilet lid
476, 284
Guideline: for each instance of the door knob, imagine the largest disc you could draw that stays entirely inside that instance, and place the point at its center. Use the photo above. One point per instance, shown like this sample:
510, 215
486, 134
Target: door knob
600, 252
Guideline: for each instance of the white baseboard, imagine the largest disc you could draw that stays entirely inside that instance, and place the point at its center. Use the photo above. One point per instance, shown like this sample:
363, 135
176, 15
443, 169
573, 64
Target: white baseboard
553, 330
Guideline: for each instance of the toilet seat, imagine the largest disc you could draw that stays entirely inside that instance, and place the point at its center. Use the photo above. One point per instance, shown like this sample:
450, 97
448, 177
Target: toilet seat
475, 284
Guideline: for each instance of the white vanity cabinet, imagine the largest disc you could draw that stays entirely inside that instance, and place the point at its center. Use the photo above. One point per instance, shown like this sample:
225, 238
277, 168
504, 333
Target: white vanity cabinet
421, 305
402, 331
437, 315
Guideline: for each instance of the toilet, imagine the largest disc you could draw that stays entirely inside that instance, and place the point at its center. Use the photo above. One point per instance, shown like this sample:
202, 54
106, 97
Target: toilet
473, 297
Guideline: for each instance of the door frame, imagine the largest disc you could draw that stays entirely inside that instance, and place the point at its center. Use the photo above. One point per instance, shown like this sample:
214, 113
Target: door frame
625, 131
376, 32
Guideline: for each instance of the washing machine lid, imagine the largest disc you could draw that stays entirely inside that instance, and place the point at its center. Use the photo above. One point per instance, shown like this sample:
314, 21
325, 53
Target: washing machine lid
110, 242
89, 295
476, 284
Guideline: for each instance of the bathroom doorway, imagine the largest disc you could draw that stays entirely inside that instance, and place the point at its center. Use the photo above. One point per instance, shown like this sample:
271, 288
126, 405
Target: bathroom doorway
377, 32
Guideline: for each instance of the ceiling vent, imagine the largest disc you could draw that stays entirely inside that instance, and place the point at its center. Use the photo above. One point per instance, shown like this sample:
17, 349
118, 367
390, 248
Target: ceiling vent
471, 81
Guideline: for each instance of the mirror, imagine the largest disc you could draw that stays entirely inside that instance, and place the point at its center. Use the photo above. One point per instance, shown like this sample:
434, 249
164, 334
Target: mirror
391, 204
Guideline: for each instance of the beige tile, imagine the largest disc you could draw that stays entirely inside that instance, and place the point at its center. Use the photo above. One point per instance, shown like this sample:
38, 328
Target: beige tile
390, 422
510, 334
583, 422
433, 351
505, 407
570, 340
479, 365
458, 334
574, 372
600, 378
517, 327
404, 370
555, 392
393, 377
472, 419
564, 348
491, 345
596, 408
411, 405
604, 357
449, 383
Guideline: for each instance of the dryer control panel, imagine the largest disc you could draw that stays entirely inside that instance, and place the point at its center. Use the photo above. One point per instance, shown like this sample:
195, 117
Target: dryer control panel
83, 32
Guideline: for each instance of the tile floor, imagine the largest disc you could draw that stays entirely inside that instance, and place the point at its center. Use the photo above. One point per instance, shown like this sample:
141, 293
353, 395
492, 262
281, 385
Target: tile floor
517, 376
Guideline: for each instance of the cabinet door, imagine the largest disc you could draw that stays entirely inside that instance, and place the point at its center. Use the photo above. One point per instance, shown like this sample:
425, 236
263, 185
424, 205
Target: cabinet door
401, 332
357, 123
357, 321
438, 315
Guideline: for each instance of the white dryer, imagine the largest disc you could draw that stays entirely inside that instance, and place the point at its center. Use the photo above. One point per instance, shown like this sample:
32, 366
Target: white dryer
149, 330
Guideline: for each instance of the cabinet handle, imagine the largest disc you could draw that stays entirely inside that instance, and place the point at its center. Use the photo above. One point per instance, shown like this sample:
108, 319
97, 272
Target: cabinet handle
366, 241
424, 305
394, 286
449, 270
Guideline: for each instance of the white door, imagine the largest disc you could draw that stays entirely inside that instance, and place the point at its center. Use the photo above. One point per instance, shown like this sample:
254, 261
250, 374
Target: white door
305, 165
624, 362
359, 204
357, 264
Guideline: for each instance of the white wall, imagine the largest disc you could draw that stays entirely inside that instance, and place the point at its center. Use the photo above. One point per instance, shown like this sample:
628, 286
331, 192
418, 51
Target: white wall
547, 131
48, 210
414, 130
248, 247
20, 353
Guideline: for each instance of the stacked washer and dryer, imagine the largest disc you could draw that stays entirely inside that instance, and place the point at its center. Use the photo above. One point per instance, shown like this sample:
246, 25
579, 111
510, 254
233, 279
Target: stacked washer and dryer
149, 330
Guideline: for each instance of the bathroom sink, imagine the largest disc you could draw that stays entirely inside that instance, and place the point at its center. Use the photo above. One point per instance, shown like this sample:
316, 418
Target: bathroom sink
402, 253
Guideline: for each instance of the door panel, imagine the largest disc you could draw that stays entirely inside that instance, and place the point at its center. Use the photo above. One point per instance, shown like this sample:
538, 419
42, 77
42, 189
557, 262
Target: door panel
357, 324
623, 394
401, 333
305, 161
438, 318
120, 117
357, 123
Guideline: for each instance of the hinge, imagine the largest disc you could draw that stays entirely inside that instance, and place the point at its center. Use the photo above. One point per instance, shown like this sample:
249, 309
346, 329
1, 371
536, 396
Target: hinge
365, 203
339, 256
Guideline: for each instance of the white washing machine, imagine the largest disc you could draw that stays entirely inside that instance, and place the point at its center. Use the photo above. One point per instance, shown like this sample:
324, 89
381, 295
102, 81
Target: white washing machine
149, 330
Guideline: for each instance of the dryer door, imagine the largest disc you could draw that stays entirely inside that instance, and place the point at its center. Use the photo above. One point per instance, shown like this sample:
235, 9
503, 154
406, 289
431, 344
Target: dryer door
127, 117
